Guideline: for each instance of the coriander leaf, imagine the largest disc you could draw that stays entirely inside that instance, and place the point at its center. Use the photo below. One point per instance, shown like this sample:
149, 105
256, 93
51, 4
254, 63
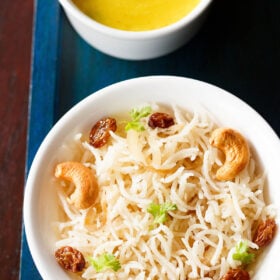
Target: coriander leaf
136, 115
105, 261
241, 253
135, 126
159, 211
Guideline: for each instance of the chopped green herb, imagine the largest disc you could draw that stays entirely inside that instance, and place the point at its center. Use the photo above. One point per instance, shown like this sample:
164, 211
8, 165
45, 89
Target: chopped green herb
159, 211
136, 115
105, 261
241, 253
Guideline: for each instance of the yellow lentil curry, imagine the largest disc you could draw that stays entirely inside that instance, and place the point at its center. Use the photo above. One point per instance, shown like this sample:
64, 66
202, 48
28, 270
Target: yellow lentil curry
136, 15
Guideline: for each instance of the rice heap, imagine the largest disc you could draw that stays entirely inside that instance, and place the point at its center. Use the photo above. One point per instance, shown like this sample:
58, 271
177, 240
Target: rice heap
175, 165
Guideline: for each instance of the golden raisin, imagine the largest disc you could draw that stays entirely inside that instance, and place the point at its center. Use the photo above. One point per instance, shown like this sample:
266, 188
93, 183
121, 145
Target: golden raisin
236, 274
100, 132
70, 259
161, 120
265, 232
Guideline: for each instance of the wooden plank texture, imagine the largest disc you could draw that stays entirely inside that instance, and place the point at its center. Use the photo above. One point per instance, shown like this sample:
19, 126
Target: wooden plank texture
237, 49
42, 96
15, 43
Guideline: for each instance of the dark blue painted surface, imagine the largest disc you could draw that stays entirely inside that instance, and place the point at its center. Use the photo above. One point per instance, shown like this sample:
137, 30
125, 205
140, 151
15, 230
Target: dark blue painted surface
238, 49
42, 96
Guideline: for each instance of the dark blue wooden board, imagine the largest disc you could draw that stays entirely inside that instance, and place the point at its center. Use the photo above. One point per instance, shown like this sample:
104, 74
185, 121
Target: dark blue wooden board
237, 49
42, 97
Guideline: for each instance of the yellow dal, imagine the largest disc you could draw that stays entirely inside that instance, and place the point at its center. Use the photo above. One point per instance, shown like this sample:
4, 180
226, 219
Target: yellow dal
136, 15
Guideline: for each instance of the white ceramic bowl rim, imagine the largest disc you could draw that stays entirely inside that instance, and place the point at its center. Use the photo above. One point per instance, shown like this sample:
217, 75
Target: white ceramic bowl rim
135, 35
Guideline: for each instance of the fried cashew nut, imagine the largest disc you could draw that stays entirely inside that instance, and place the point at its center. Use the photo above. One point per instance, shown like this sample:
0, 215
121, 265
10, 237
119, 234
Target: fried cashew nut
236, 151
86, 190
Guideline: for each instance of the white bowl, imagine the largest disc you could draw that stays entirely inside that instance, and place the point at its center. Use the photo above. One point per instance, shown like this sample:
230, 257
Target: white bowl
136, 45
40, 208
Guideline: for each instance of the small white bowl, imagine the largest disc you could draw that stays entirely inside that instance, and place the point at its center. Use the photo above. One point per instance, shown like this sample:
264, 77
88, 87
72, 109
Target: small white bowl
136, 45
40, 206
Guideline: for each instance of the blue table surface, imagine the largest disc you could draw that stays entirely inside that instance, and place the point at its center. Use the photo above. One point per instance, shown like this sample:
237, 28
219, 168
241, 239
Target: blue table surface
237, 49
